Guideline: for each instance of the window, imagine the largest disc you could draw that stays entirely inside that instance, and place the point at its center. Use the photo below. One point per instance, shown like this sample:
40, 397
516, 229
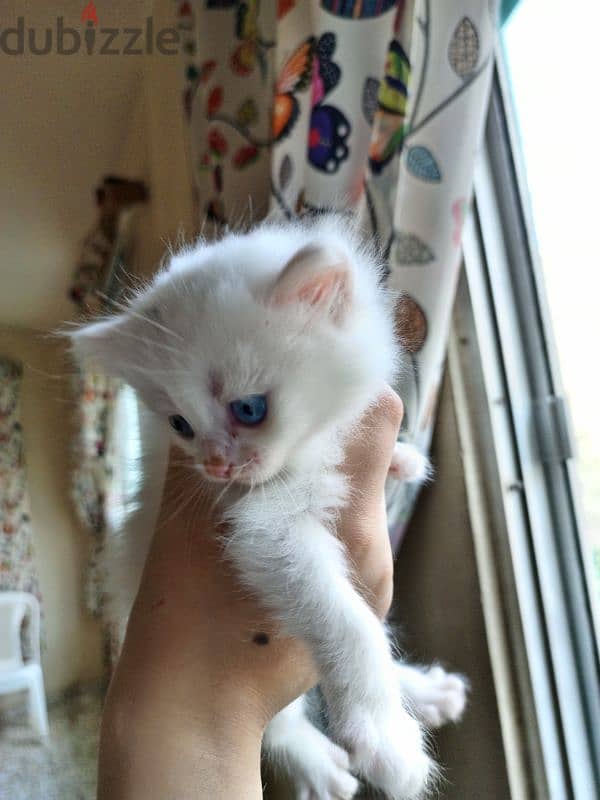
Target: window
126, 478
520, 360
552, 84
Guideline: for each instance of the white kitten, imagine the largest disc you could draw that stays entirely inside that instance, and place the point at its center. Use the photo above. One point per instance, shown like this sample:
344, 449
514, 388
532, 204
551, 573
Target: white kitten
262, 351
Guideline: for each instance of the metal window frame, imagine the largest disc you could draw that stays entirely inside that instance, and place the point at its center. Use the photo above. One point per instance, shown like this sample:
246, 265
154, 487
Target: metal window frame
519, 480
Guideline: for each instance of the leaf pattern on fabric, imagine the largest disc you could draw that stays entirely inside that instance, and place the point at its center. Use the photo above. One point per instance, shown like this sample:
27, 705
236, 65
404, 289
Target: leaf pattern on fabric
17, 566
286, 170
245, 156
463, 51
284, 7
410, 249
421, 163
214, 101
358, 9
253, 47
206, 70
186, 27
94, 470
247, 113
369, 99
411, 324
185, 12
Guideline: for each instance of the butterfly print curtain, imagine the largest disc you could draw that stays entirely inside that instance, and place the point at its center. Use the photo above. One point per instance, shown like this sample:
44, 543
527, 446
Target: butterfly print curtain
17, 566
371, 105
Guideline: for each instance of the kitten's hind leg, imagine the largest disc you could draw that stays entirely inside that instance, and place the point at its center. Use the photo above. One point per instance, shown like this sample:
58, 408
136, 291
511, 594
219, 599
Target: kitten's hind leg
318, 768
435, 696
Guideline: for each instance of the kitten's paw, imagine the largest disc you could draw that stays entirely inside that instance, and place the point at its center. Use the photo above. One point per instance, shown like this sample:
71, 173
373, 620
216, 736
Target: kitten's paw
409, 464
388, 751
321, 770
436, 696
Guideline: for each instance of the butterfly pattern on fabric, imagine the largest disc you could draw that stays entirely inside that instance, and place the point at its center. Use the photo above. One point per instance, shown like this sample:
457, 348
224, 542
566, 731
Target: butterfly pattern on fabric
358, 9
311, 64
295, 76
329, 127
388, 128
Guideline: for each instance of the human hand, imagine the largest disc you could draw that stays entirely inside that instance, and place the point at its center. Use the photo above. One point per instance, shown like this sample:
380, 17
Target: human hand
204, 668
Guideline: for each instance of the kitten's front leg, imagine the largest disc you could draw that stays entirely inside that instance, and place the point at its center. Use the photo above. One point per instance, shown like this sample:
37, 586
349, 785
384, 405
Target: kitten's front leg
300, 571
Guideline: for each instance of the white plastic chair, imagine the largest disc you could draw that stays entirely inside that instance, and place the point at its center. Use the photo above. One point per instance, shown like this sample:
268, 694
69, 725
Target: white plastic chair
15, 674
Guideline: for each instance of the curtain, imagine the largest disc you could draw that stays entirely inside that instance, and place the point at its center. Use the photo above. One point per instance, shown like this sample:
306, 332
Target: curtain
92, 472
17, 566
97, 283
375, 106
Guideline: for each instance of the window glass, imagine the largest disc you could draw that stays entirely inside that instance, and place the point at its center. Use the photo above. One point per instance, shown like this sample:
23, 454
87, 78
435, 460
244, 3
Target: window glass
127, 459
551, 51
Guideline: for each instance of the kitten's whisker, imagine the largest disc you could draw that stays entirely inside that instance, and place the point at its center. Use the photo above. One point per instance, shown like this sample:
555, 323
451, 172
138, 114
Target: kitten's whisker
199, 497
150, 342
130, 312
228, 486
166, 241
158, 371
188, 497
280, 479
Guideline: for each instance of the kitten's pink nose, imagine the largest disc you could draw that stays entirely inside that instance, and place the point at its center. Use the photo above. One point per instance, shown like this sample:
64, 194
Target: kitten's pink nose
217, 466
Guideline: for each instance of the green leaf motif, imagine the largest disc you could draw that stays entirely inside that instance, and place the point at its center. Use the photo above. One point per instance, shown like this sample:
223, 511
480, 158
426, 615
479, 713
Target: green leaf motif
421, 163
247, 113
410, 249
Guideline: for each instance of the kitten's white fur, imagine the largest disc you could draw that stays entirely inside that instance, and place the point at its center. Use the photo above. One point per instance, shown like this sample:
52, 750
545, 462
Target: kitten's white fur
296, 312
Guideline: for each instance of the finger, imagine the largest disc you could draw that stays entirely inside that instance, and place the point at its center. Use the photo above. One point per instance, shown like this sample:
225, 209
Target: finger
369, 452
388, 411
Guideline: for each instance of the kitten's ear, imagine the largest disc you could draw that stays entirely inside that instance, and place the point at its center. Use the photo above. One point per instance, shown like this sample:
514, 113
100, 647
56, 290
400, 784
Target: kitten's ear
109, 346
112, 346
315, 277
96, 345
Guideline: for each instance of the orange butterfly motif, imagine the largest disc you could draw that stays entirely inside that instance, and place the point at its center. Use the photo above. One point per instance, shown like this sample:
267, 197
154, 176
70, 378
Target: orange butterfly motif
295, 75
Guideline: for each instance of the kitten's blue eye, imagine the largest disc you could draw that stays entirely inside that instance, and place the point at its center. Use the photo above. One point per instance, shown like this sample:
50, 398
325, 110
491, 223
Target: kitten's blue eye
250, 410
181, 426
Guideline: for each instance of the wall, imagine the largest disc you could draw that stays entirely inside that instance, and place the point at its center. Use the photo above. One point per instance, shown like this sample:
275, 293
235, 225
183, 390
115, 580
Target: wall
73, 638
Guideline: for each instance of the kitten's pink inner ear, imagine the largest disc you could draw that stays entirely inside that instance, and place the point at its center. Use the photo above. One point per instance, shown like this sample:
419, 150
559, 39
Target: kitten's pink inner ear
317, 278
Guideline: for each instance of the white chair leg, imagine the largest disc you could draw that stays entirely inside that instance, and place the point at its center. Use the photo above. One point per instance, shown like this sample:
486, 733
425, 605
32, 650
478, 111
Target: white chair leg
38, 714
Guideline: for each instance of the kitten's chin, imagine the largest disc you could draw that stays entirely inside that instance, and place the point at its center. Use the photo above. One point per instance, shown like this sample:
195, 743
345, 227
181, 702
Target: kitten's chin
242, 477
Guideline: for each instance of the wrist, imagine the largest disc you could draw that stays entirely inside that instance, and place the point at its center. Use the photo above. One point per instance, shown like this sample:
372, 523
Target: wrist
153, 746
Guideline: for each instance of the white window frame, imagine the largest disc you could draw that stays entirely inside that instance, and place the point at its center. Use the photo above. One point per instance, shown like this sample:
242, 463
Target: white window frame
516, 441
